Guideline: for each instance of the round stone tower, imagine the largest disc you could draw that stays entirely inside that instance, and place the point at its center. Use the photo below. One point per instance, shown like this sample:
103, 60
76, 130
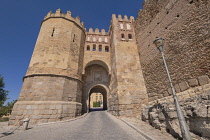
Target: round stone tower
52, 87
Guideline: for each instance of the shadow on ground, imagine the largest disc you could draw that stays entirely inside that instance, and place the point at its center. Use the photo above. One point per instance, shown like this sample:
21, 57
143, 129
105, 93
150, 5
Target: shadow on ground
96, 109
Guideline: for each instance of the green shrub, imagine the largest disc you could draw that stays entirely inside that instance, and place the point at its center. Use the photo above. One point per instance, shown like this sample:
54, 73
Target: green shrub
96, 104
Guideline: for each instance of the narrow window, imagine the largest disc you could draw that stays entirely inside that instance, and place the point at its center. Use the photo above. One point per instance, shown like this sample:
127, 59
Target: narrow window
74, 38
100, 48
99, 39
123, 36
94, 39
53, 32
121, 26
128, 26
94, 47
105, 40
129, 36
88, 48
106, 49
88, 39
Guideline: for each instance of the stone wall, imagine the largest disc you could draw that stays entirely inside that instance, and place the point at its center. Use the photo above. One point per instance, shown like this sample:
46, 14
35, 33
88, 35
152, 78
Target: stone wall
195, 104
59, 49
94, 75
97, 49
53, 82
47, 98
184, 24
44, 111
128, 86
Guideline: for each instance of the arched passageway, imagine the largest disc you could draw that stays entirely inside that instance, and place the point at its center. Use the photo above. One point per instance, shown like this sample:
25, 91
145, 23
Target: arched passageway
96, 80
103, 91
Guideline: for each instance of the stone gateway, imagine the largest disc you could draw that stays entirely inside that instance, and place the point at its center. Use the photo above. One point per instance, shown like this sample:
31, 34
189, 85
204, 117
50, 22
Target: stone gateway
69, 63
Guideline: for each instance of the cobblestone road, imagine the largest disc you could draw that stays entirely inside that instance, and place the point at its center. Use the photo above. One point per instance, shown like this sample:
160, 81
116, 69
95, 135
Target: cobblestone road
97, 125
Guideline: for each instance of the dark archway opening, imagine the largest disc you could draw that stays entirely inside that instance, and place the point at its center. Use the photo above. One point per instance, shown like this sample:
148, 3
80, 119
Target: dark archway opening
98, 90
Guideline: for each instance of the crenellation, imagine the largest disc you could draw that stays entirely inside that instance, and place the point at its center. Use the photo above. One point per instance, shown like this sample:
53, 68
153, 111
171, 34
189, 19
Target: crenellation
119, 17
77, 19
125, 18
90, 30
103, 32
66, 15
48, 14
132, 18
97, 31
58, 13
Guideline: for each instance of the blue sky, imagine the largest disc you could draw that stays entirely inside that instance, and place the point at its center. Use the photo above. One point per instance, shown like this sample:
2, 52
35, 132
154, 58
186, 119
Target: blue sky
20, 23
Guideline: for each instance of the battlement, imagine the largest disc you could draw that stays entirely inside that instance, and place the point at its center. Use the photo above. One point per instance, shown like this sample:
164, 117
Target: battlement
125, 18
96, 31
66, 15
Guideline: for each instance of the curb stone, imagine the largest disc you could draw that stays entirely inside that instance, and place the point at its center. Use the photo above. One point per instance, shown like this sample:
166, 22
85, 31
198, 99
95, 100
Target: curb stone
138, 130
73, 119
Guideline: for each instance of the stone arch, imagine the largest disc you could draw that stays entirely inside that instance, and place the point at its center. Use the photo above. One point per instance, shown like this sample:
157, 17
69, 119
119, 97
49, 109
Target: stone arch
101, 89
95, 78
97, 62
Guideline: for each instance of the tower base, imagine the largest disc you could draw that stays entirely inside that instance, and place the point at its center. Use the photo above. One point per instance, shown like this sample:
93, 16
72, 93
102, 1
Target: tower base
44, 111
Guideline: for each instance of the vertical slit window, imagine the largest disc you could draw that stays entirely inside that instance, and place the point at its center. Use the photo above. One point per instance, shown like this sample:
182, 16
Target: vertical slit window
130, 36
94, 39
121, 26
94, 47
105, 40
128, 26
74, 38
123, 36
100, 48
53, 32
88, 48
106, 49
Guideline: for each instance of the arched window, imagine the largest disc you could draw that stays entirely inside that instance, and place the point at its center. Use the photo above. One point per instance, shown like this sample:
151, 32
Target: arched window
128, 26
88, 48
106, 40
100, 39
123, 36
94, 39
130, 36
106, 49
94, 47
121, 26
100, 48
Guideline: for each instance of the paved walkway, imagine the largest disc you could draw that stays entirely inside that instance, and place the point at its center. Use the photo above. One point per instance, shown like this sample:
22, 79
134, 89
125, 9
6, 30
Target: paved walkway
97, 125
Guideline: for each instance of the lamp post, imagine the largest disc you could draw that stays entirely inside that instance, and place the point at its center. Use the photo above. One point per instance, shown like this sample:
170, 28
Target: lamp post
159, 42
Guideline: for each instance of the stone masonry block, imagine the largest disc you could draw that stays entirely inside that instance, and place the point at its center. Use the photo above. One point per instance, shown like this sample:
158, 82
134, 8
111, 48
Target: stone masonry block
193, 82
169, 91
129, 113
177, 88
172, 115
203, 80
165, 93
183, 86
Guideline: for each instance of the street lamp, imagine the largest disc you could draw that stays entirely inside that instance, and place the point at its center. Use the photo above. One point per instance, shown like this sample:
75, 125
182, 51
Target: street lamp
159, 42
